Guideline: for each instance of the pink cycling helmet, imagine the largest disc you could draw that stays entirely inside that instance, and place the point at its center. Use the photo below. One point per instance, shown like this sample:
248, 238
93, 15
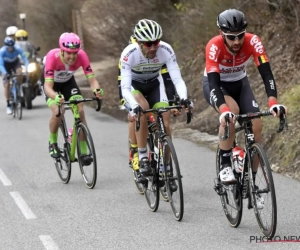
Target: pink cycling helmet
69, 42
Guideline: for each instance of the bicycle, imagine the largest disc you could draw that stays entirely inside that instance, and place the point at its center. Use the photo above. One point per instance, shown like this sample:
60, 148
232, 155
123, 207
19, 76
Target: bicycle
15, 96
161, 155
81, 140
246, 187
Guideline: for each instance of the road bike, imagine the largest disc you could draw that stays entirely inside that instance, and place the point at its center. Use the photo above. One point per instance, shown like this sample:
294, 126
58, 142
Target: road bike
15, 99
164, 163
81, 139
258, 188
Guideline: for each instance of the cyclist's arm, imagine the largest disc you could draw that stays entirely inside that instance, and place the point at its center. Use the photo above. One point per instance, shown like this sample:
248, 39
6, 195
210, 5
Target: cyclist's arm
88, 71
49, 77
2, 68
175, 74
126, 79
262, 62
213, 75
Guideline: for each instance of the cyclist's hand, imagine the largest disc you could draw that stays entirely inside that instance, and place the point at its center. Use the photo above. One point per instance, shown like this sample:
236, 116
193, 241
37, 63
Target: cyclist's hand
131, 116
186, 104
275, 109
59, 99
222, 119
99, 93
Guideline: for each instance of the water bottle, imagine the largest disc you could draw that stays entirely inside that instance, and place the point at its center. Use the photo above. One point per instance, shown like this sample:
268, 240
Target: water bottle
238, 159
241, 160
70, 132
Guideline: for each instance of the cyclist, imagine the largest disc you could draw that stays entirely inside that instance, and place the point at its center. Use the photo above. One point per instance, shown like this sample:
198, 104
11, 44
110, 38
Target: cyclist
141, 83
22, 42
11, 31
171, 93
9, 61
225, 83
61, 64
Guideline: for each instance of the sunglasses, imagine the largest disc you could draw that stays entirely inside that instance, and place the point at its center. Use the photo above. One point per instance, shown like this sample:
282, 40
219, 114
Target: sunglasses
232, 37
71, 45
150, 44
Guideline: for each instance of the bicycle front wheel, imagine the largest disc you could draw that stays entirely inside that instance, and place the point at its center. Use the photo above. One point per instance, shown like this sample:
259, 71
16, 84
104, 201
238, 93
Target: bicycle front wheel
86, 155
63, 164
173, 178
263, 191
18, 108
230, 195
151, 183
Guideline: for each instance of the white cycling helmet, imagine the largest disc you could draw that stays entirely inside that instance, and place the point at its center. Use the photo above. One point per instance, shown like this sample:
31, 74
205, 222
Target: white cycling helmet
11, 30
147, 30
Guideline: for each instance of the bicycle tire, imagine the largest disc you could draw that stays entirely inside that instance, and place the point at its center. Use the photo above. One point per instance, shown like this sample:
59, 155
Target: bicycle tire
177, 207
151, 187
18, 108
90, 181
233, 191
268, 231
63, 164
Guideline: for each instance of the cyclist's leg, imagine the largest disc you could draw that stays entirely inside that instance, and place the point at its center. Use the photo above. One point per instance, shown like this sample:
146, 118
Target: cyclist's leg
54, 121
225, 146
138, 92
248, 104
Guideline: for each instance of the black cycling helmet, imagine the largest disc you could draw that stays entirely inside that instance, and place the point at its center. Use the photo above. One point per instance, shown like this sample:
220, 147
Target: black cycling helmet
232, 20
8, 41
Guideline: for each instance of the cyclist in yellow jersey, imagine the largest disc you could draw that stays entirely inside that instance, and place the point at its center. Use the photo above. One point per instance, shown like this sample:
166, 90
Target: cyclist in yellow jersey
171, 94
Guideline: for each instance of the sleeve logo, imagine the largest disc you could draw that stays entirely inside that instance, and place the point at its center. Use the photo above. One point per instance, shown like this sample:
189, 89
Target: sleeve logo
213, 52
256, 43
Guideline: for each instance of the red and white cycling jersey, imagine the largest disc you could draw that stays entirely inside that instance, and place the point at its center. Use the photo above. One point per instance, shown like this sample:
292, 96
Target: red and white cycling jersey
232, 67
56, 70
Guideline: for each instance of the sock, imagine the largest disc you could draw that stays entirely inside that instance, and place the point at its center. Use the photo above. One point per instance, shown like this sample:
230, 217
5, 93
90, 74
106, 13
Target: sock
225, 156
83, 147
142, 153
53, 137
133, 145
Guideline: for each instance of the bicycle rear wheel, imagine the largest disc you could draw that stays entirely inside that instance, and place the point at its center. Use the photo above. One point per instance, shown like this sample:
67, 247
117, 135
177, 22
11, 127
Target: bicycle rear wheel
85, 148
263, 192
63, 164
231, 197
173, 179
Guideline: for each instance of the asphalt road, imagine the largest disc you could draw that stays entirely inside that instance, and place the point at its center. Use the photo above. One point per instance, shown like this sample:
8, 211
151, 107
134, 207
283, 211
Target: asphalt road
37, 211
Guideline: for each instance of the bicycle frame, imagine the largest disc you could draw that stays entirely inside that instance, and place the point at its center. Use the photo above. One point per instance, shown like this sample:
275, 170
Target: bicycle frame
14, 88
73, 105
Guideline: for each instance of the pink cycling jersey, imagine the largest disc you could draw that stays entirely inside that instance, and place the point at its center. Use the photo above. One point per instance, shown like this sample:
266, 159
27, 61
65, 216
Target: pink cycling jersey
56, 70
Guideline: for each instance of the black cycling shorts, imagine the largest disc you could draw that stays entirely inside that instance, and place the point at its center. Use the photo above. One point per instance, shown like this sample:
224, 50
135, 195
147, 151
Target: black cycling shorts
240, 91
153, 91
67, 89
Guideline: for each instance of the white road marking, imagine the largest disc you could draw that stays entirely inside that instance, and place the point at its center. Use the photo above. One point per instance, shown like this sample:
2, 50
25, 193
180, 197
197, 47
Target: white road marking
4, 179
25, 209
48, 243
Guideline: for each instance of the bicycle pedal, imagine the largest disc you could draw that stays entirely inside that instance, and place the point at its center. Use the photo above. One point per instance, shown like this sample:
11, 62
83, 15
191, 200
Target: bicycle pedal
219, 190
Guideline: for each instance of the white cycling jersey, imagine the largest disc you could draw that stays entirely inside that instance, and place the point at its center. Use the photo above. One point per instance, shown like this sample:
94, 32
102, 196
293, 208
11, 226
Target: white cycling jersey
135, 66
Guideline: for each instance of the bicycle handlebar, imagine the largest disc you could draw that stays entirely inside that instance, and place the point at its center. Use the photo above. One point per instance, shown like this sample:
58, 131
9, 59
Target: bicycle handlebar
160, 111
249, 116
76, 101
